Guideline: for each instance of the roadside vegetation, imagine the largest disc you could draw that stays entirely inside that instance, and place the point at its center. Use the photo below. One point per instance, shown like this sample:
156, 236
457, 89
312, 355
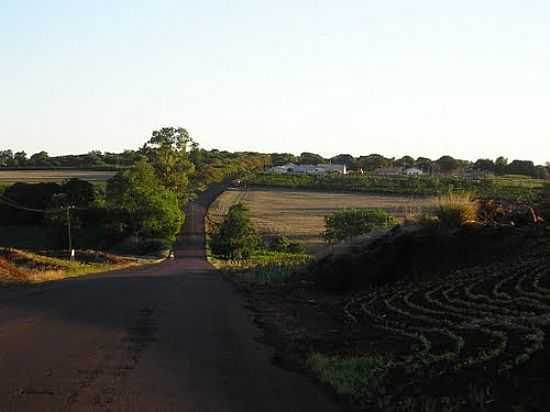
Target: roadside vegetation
23, 267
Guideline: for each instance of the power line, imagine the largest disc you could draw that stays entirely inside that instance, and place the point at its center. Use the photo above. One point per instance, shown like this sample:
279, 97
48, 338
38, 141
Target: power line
8, 202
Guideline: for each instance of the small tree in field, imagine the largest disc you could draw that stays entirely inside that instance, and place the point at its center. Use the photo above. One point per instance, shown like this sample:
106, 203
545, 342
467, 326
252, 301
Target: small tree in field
349, 223
235, 237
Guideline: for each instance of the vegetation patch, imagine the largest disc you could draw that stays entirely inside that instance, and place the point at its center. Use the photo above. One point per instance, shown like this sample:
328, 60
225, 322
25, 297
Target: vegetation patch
24, 267
359, 377
505, 188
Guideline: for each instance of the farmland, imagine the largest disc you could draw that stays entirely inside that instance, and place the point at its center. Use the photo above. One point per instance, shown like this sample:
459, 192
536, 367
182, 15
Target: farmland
514, 188
53, 175
299, 214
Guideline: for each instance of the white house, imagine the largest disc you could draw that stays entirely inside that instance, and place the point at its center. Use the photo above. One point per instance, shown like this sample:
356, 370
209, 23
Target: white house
413, 171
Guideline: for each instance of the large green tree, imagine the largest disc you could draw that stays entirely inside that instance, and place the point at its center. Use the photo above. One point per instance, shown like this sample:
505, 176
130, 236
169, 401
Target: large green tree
154, 209
168, 151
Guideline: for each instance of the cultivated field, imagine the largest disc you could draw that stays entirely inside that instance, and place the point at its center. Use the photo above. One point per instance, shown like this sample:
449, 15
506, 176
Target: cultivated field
299, 214
37, 176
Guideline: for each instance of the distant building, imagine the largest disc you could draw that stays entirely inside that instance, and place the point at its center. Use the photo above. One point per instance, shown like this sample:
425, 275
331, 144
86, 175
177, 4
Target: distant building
471, 172
318, 170
413, 171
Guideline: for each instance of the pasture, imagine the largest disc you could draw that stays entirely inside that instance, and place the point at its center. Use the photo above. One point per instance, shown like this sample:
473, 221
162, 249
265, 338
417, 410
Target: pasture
299, 214
57, 176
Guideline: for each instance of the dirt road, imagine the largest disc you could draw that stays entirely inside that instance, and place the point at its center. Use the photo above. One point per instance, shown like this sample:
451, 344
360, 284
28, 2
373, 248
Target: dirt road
169, 337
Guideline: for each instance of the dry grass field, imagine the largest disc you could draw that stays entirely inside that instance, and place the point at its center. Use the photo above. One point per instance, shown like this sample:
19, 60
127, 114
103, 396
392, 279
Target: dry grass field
38, 176
300, 214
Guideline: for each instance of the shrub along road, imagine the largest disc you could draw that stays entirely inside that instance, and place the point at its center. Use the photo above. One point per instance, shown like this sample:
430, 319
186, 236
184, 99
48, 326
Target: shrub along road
170, 337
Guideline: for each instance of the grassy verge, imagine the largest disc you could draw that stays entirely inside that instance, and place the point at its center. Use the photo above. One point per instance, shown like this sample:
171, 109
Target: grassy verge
267, 268
23, 267
359, 377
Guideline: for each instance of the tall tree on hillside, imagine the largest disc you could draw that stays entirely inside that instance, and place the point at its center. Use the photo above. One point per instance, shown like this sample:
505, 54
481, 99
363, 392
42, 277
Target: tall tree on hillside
168, 151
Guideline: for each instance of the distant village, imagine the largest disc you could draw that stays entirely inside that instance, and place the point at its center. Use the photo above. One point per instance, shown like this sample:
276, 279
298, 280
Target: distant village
468, 172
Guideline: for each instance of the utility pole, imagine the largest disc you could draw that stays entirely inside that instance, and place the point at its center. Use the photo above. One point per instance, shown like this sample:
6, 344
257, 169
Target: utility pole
69, 235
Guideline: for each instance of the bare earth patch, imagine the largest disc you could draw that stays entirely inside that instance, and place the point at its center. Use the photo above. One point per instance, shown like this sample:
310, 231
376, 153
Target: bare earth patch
299, 214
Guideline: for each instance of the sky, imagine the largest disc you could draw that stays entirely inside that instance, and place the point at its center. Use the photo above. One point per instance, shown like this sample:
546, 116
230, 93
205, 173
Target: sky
469, 78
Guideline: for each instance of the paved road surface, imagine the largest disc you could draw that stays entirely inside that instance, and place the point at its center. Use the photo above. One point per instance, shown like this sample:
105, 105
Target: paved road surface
169, 337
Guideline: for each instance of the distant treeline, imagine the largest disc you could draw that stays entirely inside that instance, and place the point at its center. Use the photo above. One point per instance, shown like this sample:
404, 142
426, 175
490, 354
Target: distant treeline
114, 161
444, 165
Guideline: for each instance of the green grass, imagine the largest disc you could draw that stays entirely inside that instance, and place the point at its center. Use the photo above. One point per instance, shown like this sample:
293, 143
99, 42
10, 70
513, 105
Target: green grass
360, 377
266, 268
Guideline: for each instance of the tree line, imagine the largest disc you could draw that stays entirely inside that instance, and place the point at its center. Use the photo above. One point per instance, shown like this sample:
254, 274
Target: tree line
445, 164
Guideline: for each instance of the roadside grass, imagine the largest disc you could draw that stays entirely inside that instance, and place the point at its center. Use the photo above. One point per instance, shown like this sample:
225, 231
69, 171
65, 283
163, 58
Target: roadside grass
360, 377
23, 267
263, 268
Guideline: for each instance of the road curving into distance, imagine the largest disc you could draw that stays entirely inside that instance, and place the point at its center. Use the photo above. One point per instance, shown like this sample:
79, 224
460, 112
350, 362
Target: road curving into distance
167, 337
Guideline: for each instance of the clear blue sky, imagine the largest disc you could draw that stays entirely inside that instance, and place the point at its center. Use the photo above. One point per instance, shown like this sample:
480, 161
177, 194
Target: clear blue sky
469, 78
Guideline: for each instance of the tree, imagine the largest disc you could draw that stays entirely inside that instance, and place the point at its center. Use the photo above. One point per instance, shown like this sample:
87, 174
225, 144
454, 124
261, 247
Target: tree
168, 151
307, 158
345, 159
373, 162
425, 164
6, 158
281, 159
235, 237
522, 167
20, 158
40, 159
486, 165
349, 223
501, 164
79, 193
447, 164
154, 209
405, 161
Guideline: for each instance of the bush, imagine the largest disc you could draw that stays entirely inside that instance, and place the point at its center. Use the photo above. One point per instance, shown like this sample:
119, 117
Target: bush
349, 223
235, 237
454, 210
285, 245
